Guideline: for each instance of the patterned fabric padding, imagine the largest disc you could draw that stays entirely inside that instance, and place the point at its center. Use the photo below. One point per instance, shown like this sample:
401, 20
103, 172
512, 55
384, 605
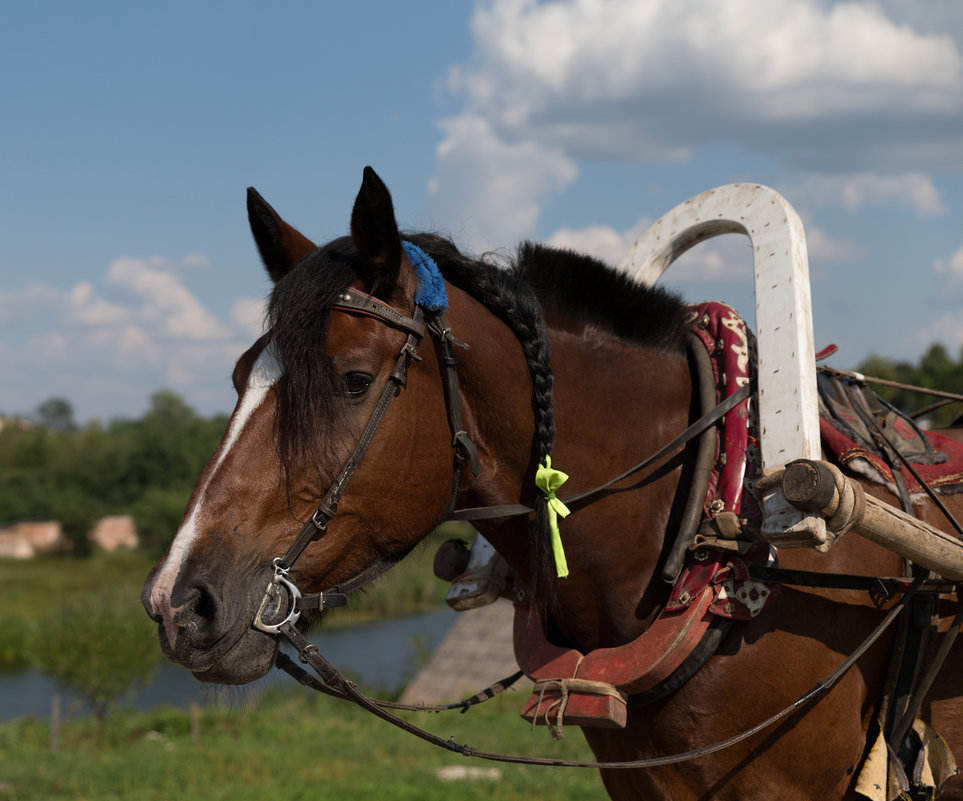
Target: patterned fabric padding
845, 409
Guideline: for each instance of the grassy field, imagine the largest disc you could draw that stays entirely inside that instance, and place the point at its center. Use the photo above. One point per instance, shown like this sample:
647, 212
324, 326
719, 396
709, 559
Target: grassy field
291, 745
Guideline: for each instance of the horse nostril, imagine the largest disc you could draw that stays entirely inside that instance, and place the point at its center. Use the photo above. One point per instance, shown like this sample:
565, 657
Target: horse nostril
206, 605
196, 613
197, 599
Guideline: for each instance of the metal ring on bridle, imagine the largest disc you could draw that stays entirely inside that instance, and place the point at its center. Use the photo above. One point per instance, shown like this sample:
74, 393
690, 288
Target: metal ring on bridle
280, 579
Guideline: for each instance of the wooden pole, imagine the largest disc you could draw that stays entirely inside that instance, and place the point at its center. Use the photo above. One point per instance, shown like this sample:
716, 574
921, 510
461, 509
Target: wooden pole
195, 716
818, 486
55, 717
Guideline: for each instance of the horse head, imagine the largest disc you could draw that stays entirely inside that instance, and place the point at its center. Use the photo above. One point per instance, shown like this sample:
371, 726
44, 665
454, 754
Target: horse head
305, 392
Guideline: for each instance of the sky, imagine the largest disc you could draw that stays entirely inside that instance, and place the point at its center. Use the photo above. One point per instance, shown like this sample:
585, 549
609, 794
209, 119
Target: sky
129, 132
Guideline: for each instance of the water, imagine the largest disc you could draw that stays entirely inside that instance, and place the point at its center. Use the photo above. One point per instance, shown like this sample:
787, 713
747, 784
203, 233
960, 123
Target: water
382, 656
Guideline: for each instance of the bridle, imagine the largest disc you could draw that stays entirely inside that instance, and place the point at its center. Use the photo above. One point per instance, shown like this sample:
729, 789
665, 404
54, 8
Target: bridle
354, 301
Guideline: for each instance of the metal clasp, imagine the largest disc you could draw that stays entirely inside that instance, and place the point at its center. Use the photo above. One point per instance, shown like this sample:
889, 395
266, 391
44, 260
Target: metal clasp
278, 580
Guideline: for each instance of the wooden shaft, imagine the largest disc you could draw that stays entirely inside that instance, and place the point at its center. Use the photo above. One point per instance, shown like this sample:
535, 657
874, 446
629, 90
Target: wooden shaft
808, 484
920, 543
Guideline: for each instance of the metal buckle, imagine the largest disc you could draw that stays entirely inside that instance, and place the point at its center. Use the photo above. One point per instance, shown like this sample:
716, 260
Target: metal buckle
280, 579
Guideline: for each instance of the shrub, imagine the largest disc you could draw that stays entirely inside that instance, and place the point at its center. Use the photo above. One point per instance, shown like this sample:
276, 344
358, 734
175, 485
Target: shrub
98, 644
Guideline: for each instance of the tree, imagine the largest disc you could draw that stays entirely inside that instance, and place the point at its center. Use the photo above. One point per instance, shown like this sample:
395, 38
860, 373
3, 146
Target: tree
56, 414
97, 644
936, 370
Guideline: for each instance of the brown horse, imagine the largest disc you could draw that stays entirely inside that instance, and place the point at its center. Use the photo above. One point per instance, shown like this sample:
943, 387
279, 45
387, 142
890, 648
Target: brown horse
558, 343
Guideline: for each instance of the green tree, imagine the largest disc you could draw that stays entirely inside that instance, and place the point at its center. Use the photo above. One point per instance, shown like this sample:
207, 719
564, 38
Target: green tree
935, 370
144, 467
56, 414
97, 644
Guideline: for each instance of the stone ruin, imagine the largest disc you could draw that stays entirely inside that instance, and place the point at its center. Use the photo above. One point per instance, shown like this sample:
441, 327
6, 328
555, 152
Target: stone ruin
29, 539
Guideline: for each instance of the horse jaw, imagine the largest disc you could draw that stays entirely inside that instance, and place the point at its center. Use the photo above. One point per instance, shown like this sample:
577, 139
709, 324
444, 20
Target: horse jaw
248, 660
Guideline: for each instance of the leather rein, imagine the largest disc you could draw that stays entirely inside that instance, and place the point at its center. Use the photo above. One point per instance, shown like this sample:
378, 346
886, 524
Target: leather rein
332, 681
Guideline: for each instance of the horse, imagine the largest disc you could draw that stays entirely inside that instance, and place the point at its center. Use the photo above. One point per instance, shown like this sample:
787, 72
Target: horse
564, 359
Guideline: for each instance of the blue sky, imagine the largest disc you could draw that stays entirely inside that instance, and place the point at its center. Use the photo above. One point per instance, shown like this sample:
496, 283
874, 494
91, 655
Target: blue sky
130, 132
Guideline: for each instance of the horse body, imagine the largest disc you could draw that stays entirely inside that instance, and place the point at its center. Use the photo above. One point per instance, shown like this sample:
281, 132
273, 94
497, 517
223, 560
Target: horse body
614, 398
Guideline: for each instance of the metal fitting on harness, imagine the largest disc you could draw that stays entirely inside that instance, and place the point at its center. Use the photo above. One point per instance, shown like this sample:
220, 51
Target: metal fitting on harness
271, 601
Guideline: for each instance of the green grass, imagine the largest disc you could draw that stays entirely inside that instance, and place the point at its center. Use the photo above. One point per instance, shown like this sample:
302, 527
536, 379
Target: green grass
291, 745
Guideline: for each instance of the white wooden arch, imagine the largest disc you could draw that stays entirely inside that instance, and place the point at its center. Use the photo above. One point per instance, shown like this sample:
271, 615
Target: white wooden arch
788, 405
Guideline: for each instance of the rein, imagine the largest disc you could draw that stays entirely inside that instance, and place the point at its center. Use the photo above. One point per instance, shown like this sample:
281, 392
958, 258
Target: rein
693, 431
334, 683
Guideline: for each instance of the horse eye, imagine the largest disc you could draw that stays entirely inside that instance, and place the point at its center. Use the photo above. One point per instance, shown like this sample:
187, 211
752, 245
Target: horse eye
356, 384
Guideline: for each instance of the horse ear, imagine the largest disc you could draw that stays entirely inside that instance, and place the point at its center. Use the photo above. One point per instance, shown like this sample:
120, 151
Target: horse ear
280, 245
376, 236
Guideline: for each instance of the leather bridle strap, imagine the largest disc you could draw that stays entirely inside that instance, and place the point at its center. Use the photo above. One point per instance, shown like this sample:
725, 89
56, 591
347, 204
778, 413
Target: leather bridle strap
465, 451
693, 431
317, 525
295, 671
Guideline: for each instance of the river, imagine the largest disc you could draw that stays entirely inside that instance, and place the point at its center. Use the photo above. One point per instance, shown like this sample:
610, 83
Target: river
383, 656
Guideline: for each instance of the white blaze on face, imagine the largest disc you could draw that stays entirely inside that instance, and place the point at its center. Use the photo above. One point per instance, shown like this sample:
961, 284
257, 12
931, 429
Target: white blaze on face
264, 375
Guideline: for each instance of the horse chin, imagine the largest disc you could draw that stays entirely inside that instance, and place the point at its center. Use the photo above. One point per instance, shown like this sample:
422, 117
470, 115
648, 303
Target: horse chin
247, 660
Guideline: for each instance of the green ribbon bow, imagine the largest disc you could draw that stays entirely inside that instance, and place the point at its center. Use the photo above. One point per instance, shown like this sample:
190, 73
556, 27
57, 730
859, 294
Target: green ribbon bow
549, 480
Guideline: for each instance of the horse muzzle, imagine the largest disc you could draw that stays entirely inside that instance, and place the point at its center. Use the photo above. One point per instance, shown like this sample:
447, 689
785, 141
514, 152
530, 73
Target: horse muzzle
199, 630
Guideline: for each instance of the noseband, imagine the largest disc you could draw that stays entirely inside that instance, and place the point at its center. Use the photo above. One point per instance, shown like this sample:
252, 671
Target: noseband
432, 320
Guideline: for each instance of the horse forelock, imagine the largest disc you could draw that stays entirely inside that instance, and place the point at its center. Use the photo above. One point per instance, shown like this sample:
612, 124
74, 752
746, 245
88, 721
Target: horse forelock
299, 312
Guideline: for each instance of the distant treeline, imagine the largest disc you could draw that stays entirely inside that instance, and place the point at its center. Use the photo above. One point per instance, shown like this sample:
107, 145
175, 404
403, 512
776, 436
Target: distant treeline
935, 370
53, 469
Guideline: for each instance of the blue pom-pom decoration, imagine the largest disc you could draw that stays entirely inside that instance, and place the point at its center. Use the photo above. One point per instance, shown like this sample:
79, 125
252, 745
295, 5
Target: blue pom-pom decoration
431, 294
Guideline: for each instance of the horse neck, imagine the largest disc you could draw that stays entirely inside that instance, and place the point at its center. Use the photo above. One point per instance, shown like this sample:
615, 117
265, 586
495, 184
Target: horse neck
616, 403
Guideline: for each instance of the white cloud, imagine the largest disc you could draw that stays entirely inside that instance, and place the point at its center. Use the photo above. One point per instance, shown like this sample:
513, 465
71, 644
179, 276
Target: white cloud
18, 304
491, 188
165, 300
946, 329
823, 247
813, 85
103, 338
249, 315
184, 364
724, 260
574, 69
601, 241
911, 190
950, 274
196, 261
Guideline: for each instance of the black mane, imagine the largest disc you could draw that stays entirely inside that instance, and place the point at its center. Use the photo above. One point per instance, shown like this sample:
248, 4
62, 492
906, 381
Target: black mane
593, 294
538, 281
583, 290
